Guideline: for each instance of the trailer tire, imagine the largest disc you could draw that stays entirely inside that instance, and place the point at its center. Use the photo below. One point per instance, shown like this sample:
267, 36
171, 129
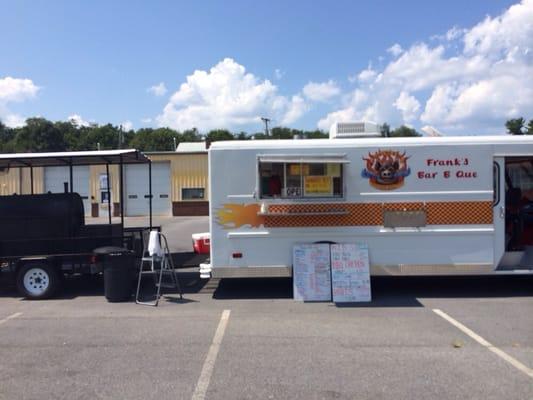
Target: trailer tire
37, 280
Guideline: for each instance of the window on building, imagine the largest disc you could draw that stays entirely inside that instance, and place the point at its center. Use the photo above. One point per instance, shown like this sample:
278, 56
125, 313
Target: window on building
301, 177
192, 193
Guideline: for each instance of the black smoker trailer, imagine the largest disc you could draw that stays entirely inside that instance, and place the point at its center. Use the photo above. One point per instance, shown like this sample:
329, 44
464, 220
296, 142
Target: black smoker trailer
44, 236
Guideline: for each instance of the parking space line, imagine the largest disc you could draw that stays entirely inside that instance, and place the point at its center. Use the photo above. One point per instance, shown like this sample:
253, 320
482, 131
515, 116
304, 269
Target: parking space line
207, 369
513, 361
3, 321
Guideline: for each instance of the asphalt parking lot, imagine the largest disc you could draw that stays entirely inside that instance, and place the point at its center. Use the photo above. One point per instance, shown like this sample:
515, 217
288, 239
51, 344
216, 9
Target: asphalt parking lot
423, 338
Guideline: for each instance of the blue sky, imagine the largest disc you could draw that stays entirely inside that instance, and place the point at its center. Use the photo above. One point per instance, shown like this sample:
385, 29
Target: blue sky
300, 63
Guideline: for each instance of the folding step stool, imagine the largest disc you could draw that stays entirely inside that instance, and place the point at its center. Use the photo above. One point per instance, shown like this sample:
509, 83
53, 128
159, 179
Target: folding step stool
161, 263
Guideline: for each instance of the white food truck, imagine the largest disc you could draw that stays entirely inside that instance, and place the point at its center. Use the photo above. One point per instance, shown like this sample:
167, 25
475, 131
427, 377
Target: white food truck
423, 205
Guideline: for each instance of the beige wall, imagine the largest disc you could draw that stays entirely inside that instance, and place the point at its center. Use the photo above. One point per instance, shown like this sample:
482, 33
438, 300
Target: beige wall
17, 180
10, 182
186, 171
114, 176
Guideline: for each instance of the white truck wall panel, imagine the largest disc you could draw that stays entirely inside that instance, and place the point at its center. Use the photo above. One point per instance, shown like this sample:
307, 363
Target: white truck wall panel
443, 170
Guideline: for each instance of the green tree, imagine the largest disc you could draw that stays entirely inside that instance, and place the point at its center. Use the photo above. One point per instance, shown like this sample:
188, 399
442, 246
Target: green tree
280, 132
259, 136
72, 134
6, 139
385, 130
190, 135
218, 135
316, 134
404, 131
127, 137
242, 136
105, 136
39, 135
514, 126
148, 139
7, 136
530, 127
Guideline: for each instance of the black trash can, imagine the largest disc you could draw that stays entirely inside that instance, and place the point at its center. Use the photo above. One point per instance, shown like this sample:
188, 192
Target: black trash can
118, 272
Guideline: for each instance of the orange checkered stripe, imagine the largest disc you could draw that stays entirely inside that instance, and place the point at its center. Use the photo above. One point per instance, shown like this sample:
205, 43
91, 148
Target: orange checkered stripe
371, 214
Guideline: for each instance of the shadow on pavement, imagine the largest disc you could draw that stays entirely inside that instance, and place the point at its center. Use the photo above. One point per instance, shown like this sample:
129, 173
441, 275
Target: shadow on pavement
253, 288
188, 259
388, 291
93, 285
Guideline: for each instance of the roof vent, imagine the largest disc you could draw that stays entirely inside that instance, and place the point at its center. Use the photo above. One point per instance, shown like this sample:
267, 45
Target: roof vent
354, 130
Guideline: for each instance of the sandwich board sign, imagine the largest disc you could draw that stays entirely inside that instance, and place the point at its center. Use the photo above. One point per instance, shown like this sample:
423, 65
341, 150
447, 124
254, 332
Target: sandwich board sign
311, 272
350, 273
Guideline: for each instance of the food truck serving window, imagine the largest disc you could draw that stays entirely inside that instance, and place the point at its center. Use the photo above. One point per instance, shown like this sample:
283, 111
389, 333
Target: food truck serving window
301, 176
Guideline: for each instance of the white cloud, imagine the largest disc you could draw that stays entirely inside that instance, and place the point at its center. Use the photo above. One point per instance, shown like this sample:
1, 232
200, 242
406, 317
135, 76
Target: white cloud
366, 75
422, 67
451, 35
296, 108
13, 120
15, 90
408, 105
147, 120
395, 50
227, 96
472, 83
359, 107
278, 74
322, 91
439, 104
345, 115
486, 102
77, 120
454, 33
127, 125
158, 90
496, 36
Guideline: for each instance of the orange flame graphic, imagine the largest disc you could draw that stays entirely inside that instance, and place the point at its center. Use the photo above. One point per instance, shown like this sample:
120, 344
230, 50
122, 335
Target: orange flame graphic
237, 215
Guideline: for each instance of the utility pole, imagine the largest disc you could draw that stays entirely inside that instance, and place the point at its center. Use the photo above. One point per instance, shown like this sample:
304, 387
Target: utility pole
266, 121
120, 136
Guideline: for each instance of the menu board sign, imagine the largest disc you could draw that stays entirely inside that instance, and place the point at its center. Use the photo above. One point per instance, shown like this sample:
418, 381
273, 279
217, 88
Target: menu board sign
318, 186
311, 272
350, 272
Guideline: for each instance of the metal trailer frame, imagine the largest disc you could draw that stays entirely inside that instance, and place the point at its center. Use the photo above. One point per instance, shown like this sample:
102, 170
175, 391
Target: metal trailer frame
78, 158
121, 157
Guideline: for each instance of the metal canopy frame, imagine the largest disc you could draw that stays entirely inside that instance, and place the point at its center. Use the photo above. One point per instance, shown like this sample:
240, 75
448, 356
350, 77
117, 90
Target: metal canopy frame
304, 158
79, 158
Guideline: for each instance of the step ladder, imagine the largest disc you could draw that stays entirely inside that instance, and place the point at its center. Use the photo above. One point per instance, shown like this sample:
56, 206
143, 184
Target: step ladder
157, 256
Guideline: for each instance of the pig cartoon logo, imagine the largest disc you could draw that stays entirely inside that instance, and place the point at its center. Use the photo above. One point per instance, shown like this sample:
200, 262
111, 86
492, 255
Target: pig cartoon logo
386, 169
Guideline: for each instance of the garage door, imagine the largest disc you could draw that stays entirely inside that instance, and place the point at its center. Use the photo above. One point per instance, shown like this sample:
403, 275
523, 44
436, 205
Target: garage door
136, 190
54, 178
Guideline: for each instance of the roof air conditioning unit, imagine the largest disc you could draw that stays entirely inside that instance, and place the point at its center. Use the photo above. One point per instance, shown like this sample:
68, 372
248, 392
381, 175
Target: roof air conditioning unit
354, 130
